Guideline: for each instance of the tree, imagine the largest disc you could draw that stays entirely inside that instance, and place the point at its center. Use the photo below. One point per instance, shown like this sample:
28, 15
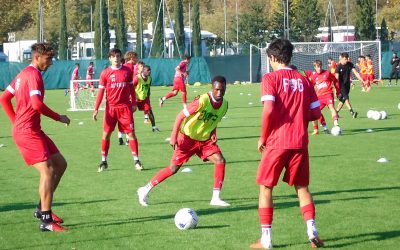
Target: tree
120, 29
384, 35
179, 28
365, 21
63, 43
101, 29
276, 27
139, 30
306, 20
157, 47
196, 29
14, 18
253, 26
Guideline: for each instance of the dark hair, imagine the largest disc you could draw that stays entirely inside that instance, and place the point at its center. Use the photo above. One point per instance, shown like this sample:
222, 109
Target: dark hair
147, 67
91, 63
76, 64
43, 49
281, 49
363, 57
219, 79
186, 57
318, 62
345, 55
141, 63
330, 58
113, 52
368, 56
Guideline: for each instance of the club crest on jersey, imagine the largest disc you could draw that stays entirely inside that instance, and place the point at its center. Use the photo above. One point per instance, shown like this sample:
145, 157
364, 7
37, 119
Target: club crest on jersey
112, 78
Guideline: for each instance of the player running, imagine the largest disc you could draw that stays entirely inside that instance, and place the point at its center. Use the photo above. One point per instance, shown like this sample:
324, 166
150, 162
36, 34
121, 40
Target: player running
332, 65
194, 132
322, 80
116, 81
371, 72
37, 149
290, 103
181, 73
89, 76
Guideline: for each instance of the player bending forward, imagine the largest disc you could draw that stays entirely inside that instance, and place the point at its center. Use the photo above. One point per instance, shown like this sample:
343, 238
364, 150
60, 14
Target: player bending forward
37, 149
194, 132
290, 103
116, 81
322, 80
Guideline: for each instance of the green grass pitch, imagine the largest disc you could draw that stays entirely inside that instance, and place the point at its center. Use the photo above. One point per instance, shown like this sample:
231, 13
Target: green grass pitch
357, 199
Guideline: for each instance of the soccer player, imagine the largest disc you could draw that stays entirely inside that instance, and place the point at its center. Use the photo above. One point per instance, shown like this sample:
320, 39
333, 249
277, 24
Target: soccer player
116, 81
74, 76
181, 73
37, 149
322, 80
362, 66
370, 72
395, 62
332, 65
194, 132
289, 103
89, 76
142, 83
343, 74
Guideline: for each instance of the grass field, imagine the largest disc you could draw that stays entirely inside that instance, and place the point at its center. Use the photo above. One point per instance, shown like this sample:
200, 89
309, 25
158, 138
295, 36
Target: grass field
357, 199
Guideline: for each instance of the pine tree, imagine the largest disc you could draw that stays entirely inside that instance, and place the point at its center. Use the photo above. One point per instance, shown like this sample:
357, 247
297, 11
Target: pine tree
139, 30
306, 20
365, 21
253, 26
179, 28
196, 29
384, 36
63, 43
157, 47
102, 33
120, 29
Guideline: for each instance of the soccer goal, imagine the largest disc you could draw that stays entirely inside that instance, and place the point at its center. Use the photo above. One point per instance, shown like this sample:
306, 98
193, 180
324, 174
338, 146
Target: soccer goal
306, 53
83, 95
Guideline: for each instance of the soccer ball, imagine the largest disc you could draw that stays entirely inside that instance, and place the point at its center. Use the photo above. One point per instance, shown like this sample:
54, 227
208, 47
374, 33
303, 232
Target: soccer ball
383, 115
336, 130
370, 113
377, 115
186, 218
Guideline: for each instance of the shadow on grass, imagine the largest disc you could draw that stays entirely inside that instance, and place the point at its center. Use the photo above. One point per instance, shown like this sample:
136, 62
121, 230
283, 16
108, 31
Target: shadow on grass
238, 138
375, 130
362, 238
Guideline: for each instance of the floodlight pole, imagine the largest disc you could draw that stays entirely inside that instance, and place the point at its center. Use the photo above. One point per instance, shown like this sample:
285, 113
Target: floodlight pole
237, 29
101, 30
224, 27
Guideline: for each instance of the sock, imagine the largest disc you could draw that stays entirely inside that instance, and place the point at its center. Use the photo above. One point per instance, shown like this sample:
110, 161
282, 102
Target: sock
146, 116
105, 146
216, 193
153, 127
351, 111
219, 175
119, 134
335, 120
266, 215
46, 217
133, 144
315, 127
169, 95
184, 98
311, 229
308, 212
161, 176
322, 120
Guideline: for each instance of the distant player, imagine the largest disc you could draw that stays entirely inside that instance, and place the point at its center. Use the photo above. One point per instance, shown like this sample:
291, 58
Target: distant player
74, 76
142, 83
194, 132
37, 149
343, 74
371, 72
323, 80
332, 65
89, 76
395, 62
289, 103
116, 81
181, 73
362, 66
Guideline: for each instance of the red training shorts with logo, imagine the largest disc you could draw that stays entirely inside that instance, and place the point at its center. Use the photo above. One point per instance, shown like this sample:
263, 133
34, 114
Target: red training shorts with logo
325, 100
35, 146
295, 161
121, 115
179, 84
187, 147
143, 105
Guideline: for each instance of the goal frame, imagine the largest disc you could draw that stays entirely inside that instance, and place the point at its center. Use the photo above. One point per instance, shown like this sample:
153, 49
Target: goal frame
73, 97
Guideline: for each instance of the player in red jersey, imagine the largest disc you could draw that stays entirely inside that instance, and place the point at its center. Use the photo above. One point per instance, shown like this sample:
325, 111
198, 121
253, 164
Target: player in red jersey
116, 81
74, 76
322, 80
332, 65
371, 72
290, 103
181, 73
37, 149
89, 76
194, 132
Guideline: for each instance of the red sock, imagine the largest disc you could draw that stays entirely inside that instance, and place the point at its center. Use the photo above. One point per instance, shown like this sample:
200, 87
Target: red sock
133, 144
322, 120
315, 127
335, 118
161, 176
184, 97
105, 146
219, 175
169, 95
308, 212
266, 215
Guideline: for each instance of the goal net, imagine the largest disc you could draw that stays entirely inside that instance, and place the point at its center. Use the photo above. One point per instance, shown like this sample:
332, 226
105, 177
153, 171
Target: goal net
305, 54
83, 95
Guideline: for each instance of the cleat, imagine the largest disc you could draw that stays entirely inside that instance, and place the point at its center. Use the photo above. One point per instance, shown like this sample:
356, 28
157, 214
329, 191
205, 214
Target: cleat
219, 202
138, 165
65, 92
120, 141
155, 129
161, 102
103, 166
315, 132
127, 142
142, 194
146, 121
354, 115
326, 131
259, 245
316, 242
52, 227
37, 214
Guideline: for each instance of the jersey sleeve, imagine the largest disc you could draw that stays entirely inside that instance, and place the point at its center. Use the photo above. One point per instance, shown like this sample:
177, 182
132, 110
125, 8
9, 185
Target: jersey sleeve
103, 80
268, 92
35, 85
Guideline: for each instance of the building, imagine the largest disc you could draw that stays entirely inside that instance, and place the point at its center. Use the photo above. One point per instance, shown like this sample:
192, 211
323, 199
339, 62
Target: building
339, 34
19, 51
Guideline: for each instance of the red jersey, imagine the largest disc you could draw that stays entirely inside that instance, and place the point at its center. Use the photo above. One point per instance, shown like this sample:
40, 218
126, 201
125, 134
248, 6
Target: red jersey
75, 74
293, 97
323, 82
183, 67
89, 72
118, 85
333, 67
370, 68
27, 83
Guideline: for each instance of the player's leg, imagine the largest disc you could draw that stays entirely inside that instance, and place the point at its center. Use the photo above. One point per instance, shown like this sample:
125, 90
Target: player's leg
126, 124
134, 146
173, 93
315, 127
350, 108
322, 120
334, 114
109, 124
153, 121
219, 176
120, 139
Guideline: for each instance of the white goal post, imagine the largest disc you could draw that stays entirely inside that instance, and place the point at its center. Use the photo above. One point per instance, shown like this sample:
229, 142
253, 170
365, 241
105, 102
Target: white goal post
305, 53
82, 95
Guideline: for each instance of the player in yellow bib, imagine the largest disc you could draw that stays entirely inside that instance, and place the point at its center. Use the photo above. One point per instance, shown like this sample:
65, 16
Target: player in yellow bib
194, 132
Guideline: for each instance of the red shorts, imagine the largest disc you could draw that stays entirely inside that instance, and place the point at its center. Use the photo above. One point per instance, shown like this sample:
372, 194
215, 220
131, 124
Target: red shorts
274, 160
122, 115
143, 105
364, 76
89, 83
35, 146
325, 101
76, 86
188, 147
370, 78
179, 84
